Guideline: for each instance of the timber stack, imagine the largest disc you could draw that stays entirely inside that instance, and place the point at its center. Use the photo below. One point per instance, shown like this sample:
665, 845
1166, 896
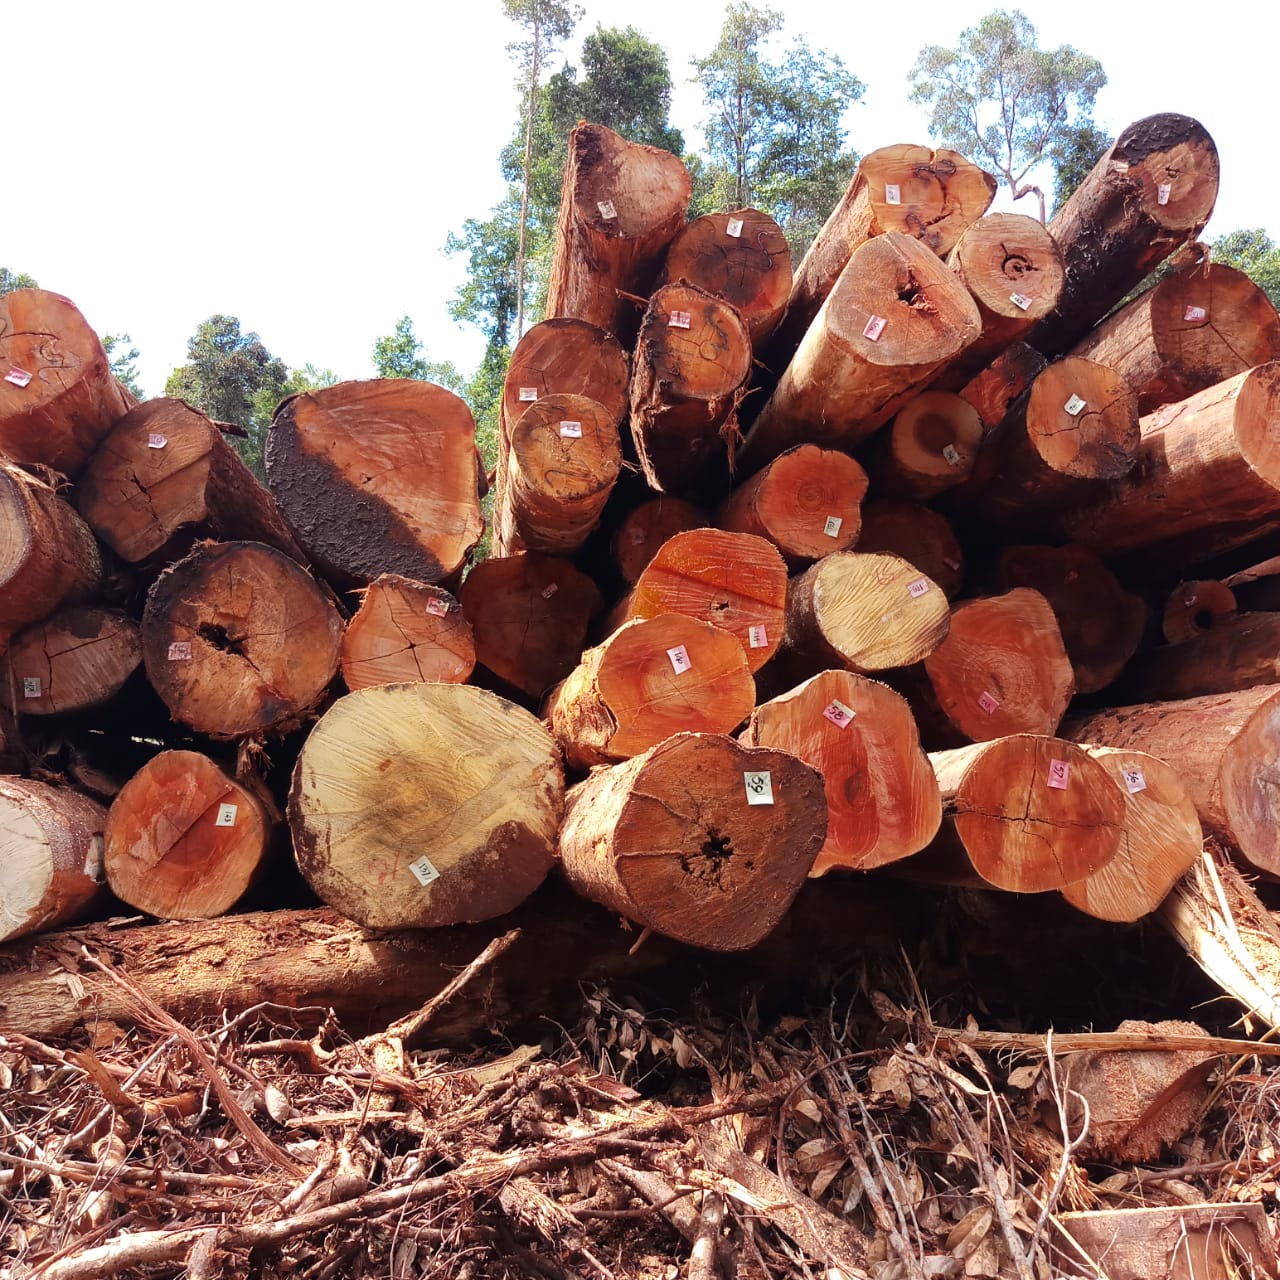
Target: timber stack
797, 571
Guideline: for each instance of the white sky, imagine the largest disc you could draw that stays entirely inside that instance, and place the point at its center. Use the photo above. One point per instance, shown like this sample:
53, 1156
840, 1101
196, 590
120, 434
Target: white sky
299, 165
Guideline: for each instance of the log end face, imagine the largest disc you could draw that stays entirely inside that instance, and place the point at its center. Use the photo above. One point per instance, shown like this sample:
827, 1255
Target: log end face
1082, 420
1249, 787
1175, 162
1257, 421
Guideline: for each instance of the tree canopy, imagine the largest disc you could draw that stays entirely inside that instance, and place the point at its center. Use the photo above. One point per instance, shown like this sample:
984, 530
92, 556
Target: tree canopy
1256, 254
123, 357
13, 280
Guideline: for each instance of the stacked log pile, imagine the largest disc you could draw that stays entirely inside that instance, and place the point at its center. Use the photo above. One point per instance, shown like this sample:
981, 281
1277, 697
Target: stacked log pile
795, 573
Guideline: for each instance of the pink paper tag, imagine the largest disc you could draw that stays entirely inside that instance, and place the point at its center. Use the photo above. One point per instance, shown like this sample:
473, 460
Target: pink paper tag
757, 638
1195, 314
437, 607
180, 651
1134, 781
19, 377
874, 328
1070, 577
550, 590
918, 587
157, 442
838, 713
988, 704
680, 320
1059, 771
679, 659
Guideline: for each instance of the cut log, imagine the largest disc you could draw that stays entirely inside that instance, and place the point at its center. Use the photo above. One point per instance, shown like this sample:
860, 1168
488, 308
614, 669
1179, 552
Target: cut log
892, 322
48, 556
50, 856
1101, 622
735, 581
58, 396
914, 190
183, 841
652, 678
1207, 472
645, 528
1160, 841
165, 477
1226, 749
378, 477
700, 839
920, 536
417, 805
529, 615
807, 502
1033, 813
741, 257
621, 205
75, 660
1238, 653
865, 612
406, 630
1195, 608
563, 459
930, 447
882, 796
1151, 192
1197, 327
1002, 668
999, 386
239, 639
691, 362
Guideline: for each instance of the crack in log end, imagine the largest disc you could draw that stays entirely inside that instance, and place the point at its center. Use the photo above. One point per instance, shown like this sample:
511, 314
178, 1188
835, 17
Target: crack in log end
709, 865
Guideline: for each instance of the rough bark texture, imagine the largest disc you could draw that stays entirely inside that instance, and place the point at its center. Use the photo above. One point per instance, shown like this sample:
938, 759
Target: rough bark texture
999, 386
1225, 747
1237, 653
378, 477
645, 528
921, 536
882, 796
183, 841
238, 639
419, 805
57, 414
1115, 230
164, 477
1195, 608
700, 839
930, 447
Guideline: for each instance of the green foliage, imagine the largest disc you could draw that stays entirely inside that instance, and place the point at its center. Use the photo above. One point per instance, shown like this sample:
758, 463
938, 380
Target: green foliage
10, 281
999, 98
1256, 254
399, 355
123, 357
1073, 156
308, 378
232, 377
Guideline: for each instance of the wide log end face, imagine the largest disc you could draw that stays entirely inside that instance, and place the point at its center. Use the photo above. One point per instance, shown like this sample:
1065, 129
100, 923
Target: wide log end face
1249, 787
1257, 422
1012, 266
566, 356
1082, 420
930, 195
930, 447
1174, 161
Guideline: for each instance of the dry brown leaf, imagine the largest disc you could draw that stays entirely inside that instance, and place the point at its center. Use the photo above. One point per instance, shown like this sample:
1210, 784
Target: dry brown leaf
893, 1078
1023, 1077
970, 1231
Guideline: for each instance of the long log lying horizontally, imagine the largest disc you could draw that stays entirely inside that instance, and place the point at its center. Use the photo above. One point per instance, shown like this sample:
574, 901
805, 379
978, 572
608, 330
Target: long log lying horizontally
1237, 653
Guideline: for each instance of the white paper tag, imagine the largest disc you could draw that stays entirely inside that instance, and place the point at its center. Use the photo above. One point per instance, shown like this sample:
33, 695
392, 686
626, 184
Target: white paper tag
989, 704
951, 564
838, 713
1074, 405
571, 430
680, 320
1071, 576
637, 537
1163, 191
1188, 594
874, 328
1020, 300
1193, 315
93, 859
157, 441
607, 211
528, 393
679, 659
832, 527
226, 815
438, 608
423, 871
756, 637
30, 686
892, 193
19, 377
917, 588
951, 454
759, 787
180, 651
733, 228
1059, 773
549, 590
1134, 780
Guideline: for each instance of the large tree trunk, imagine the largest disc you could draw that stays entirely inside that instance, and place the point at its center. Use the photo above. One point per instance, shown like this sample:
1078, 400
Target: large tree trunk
921, 536
50, 856
58, 396
930, 447
1226, 748
418, 805
48, 556
1160, 841
931, 195
1150, 193
238, 639
75, 660
621, 205
378, 477
183, 841
1032, 813
691, 364
1101, 622
406, 630
1000, 386
700, 839
529, 615
1195, 328
651, 678
807, 502
893, 321
1236, 654
645, 528
165, 477
736, 581
882, 796
1195, 608
741, 257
